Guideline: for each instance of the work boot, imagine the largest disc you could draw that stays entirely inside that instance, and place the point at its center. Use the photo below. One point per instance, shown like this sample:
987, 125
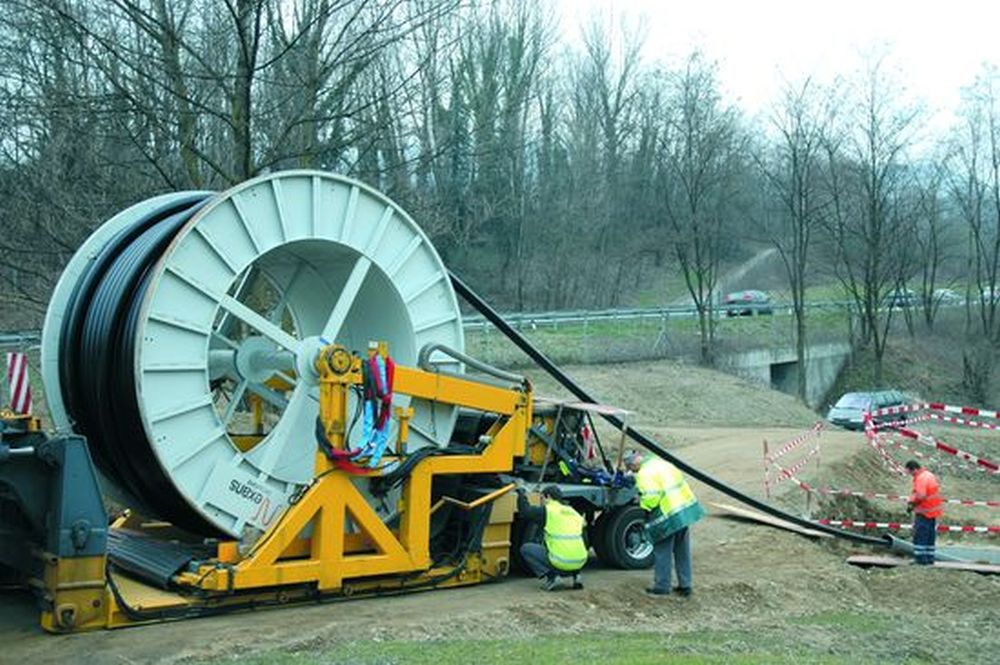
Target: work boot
653, 591
577, 580
683, 590
551, 583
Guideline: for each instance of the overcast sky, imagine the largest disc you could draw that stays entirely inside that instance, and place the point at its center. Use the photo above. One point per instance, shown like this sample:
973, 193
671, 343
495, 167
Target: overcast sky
937, 46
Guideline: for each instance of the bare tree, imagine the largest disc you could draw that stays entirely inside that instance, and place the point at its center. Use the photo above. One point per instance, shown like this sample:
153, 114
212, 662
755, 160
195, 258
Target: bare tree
793, 172
933, 237
866, 177
700, 154
975, 187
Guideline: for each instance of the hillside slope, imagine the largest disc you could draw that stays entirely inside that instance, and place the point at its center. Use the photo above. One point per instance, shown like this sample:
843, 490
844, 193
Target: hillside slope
669, 393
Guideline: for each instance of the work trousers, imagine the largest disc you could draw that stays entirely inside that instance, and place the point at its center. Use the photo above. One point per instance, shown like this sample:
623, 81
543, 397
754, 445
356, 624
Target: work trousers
537, 558
924, 537
674, 549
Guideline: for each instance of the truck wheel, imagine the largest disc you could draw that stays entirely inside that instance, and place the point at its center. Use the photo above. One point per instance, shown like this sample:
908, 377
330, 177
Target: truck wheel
522, 531
599, 539
626, 539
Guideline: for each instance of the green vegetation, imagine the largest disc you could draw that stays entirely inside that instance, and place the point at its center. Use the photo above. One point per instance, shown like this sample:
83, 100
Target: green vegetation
856, 623
608, 648
926, 366
639, 339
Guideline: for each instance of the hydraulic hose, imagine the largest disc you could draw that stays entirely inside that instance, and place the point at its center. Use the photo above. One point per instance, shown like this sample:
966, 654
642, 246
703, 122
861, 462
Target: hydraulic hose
424, 363
481, 306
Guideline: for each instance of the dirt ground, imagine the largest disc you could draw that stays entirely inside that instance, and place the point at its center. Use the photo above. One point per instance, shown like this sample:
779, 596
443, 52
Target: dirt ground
753, 585
745, 577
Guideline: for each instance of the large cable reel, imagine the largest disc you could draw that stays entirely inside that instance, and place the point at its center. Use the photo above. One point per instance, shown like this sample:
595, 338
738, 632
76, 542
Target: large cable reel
187, 314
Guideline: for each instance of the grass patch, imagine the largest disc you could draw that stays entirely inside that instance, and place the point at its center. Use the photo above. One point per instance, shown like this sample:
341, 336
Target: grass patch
846, 621
610, 648
652, 337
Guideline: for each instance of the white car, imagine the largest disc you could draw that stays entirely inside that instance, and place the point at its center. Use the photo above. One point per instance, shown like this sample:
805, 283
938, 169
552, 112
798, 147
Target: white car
947, 297
849, 411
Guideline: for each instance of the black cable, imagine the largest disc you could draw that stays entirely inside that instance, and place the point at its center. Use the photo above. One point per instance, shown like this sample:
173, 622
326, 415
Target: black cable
553, 370
383, 484
97, 355
72, 367
359, 404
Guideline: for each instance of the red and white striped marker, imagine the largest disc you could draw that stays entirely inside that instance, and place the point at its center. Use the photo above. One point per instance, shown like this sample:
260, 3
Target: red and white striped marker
18, 383
896, 526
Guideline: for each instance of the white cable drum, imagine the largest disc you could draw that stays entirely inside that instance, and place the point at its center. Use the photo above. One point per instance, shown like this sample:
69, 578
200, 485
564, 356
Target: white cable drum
245, 294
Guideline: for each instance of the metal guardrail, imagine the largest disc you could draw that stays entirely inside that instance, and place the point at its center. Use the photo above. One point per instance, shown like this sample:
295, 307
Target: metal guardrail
537, 319
554, 319
20, 337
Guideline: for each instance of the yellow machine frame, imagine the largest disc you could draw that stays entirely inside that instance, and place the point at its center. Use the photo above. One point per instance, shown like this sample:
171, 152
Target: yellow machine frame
312, 549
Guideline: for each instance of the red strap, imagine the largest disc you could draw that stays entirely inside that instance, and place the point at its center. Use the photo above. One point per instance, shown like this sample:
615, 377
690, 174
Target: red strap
376, 376
335, 454
386, 395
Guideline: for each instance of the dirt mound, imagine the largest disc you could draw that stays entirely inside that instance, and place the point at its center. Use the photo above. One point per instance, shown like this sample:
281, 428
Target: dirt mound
664, 393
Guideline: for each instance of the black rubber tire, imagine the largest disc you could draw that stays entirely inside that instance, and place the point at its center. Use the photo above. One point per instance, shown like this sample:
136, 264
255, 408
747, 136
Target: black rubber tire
627, 545
598, 533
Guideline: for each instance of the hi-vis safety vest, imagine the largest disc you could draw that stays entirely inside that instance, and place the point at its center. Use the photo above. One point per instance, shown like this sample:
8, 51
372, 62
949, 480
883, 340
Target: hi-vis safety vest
927, 495
664, 491
564, 537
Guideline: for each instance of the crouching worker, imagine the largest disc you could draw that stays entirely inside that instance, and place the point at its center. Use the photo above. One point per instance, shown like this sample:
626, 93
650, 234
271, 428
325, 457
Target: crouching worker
672, 509
564, 552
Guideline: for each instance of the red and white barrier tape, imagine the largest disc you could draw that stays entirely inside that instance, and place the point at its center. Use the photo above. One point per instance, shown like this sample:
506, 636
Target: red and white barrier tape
964, 410
896, 526
937, 406
830, 491
785, 474
958, 463
788, 447
955, 420
889, 460
891, 425
933, 442
896, 410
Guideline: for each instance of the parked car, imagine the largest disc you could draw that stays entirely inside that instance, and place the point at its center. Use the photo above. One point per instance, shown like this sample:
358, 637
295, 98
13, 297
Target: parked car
902, 298
747, 303
849, 411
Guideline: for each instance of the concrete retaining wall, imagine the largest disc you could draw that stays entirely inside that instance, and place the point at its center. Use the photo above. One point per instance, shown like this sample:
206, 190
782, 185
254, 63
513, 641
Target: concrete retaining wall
778, 368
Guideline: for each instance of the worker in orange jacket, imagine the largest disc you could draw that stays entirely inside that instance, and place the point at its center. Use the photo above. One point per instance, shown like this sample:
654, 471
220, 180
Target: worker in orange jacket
927, 505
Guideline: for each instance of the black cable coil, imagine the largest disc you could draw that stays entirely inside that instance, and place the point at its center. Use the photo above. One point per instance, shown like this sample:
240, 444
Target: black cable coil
97, 360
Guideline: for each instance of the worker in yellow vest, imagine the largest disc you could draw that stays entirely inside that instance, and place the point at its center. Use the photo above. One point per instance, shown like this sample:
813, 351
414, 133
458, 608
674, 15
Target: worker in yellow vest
563, 553
672, 508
